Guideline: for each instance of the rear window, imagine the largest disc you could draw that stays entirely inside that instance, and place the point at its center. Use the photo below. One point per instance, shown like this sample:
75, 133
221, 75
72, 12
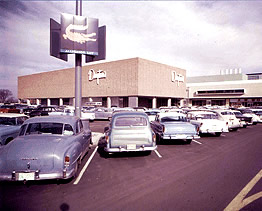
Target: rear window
173, 119
44, 128
130, 121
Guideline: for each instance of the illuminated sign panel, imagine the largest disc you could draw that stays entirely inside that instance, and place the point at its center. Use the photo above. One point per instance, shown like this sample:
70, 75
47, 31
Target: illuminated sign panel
79, 35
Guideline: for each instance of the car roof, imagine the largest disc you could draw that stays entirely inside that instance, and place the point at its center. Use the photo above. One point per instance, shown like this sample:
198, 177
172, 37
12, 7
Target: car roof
9, 115
58, 119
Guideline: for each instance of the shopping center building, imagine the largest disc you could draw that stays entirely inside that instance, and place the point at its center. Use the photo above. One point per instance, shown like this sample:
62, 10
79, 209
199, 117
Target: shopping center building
230, 88
140, 82
124, 83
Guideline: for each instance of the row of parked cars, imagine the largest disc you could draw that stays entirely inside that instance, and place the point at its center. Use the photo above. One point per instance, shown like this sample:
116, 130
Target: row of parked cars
52, 146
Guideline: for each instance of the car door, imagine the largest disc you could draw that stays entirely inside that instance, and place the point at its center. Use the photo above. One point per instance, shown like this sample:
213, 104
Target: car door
84, 136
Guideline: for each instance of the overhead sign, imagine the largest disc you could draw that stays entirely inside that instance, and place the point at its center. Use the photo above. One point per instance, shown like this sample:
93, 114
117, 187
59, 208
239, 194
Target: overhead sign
79, 35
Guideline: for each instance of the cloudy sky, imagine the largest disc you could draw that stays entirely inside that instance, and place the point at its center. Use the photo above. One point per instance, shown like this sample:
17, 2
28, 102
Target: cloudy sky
202, 37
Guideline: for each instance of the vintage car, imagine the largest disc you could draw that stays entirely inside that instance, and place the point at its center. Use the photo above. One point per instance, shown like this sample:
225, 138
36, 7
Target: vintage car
230, 118
129, 131
244, 120
174, 125
42, 111
46, 148
103, 113
208, 122
152, 113
10, 124
70, 111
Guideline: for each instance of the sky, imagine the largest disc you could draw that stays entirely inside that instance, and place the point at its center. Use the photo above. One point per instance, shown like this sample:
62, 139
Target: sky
202, 37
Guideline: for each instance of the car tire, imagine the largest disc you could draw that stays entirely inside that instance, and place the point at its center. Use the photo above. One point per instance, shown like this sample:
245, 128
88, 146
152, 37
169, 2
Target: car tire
217, 134
188, 141
8, 140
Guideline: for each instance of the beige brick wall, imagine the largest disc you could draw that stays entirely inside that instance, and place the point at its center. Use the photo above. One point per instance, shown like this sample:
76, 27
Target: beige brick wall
154, 79
129, 77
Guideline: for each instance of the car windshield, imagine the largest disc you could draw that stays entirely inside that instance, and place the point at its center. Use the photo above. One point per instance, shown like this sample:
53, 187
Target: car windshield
173, 119
130, 121
7, 121
45, 128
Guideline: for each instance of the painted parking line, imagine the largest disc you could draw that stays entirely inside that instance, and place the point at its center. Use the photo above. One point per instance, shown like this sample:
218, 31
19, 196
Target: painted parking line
240, 201
85, 167
197, 141
158, 154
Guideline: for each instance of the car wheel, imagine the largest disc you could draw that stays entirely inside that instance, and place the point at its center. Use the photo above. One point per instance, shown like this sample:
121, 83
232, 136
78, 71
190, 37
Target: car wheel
188, 141
217, 134
234, 129
8, 140
254, 123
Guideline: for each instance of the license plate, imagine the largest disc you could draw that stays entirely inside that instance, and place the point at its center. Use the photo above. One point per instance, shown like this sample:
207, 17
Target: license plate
180, 136
26, 176
131, 146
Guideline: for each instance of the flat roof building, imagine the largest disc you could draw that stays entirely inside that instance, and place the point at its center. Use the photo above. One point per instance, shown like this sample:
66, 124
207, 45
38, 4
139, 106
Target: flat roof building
232, 89
124, 83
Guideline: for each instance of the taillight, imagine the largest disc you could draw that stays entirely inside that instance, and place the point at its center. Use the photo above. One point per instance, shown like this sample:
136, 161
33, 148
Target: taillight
107, 139
226, 123
67, 160
154, 138
164, 128
198, 129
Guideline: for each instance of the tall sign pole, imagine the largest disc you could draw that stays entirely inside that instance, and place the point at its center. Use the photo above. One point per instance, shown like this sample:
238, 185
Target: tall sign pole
78, 74
77, 35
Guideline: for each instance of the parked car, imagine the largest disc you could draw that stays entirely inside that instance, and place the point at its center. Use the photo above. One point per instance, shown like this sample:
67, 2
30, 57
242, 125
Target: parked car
47, 147
103, 113
208, 122
230, 118
42, 111
258, 112
244, 120
129, 131
250, 113
70, 111
174, 125
10, 124
152, 114
7, 108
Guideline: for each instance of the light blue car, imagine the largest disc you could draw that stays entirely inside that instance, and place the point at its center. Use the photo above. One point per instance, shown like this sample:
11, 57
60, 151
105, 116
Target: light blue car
47, 147
129, 131
10, 124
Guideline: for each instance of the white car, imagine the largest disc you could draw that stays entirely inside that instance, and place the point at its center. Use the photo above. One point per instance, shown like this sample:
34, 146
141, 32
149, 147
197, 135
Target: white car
70, 111
230, 118
208, 122
250, 113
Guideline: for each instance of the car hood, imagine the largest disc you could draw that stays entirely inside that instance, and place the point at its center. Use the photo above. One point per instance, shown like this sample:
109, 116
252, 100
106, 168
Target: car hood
31, 153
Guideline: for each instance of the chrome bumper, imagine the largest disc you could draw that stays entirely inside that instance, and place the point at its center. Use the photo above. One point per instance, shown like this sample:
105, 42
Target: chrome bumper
122, 149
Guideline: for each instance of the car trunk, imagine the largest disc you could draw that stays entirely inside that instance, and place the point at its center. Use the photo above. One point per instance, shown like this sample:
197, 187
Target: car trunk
32, 153
131, 135
178, 128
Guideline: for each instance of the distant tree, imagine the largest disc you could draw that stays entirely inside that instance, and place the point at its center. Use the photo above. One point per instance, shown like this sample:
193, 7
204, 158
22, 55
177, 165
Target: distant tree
5, 94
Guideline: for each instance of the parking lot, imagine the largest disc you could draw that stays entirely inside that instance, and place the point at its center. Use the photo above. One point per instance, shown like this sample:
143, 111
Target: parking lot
205, 175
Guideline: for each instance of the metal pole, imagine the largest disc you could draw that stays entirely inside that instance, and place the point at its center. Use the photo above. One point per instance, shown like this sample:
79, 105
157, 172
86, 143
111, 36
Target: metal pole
78, 77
